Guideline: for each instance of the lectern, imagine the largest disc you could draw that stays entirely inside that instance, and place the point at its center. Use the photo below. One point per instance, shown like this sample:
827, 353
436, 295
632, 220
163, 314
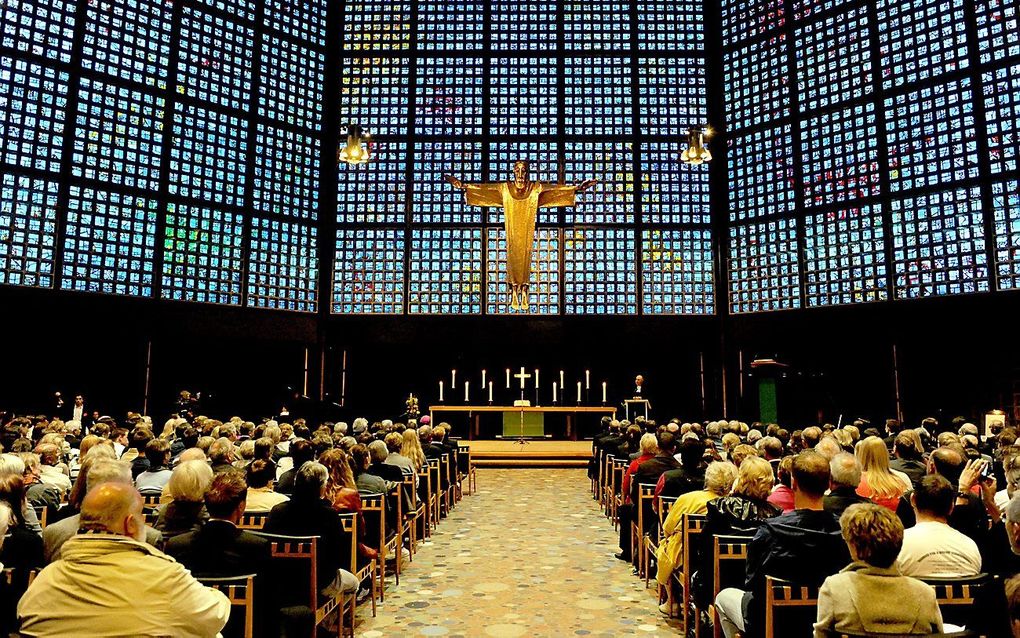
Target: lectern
641, 407
767, 372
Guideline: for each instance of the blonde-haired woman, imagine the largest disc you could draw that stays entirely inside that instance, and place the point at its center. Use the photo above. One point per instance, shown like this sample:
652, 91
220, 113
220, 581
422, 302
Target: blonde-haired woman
739, 514
412, 449
878, 483
186, 511
342, 493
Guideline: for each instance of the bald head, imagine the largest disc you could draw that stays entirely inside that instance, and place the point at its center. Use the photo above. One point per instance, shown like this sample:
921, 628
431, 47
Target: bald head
114, 508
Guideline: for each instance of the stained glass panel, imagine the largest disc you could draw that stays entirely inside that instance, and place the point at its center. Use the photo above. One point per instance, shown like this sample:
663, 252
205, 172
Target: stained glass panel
600, 276
844, 260
28, 230
676, 272
446, 271
544, 287
283, 265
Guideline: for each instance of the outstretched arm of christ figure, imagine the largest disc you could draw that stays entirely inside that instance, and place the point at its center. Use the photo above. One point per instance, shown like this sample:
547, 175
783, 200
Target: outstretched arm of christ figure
478, 194
559, 195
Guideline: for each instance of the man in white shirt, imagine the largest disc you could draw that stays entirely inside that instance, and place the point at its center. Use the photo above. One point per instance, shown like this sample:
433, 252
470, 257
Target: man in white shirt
933, 549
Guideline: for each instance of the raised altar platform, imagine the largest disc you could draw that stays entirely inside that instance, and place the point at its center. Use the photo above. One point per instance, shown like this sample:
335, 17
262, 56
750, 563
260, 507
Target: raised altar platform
475, 412
507, 453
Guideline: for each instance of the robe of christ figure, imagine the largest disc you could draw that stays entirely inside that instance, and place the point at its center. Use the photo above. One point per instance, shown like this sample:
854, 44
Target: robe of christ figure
520, 199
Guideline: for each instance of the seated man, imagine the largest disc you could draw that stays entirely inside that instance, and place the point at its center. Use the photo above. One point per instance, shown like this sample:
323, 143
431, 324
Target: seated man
155, 478
261, 496
221, 550
931, 548
109, 582
690, 476
51, 470
804, 546
301, 451
378, 452
844, 477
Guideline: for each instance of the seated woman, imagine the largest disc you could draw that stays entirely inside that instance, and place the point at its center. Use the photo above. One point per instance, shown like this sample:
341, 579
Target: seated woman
261, 496
878, 482
22, 548
870, 595
187, 487
739, 514
342, 492
719, 478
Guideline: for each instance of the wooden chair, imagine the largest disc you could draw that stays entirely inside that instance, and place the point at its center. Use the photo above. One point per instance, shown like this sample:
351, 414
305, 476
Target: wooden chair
731, 552
444, 473
662, 505
466, 468
693, 525
150, 500
349, 524
240, 591
253, 520
414, 515
41, 514
646, 495
292, 550
780, 594
956, 596
435, 491
373, 508
606, 493
617, 497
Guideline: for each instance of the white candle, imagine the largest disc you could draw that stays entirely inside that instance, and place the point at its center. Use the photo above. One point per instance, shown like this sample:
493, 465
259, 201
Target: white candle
536, 378
554, 392
603, 391
467, 390
508, 378
587, 379
483, 378
453, 379
522, 377
578, 391
490, 391
562, 384
440, 391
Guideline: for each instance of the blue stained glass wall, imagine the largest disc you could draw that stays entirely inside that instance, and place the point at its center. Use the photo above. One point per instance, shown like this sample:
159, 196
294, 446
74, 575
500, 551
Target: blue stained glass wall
872, 148
580, 90
174, 123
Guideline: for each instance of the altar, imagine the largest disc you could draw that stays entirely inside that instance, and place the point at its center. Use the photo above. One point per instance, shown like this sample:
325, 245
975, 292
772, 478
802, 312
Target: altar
474, 415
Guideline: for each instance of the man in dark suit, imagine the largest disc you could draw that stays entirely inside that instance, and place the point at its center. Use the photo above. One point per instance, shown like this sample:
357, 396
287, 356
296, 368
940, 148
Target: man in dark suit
302, 452
220, 550
80, 414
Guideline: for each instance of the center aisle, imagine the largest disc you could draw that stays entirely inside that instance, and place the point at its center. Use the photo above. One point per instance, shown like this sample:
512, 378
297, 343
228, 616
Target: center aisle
529, 555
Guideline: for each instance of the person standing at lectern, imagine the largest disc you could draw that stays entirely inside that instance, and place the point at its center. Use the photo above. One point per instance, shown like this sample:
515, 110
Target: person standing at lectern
639, 387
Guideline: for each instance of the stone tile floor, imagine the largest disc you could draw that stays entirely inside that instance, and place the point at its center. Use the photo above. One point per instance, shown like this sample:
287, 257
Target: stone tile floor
529, 554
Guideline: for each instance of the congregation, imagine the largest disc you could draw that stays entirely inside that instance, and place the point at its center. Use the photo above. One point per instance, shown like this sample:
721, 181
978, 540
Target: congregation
96, 518
858, 527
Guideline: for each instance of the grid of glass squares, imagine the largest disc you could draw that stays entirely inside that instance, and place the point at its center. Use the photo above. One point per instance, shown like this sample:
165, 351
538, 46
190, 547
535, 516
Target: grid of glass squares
373, 93
676, 272
109, 243
28, 230
544, 285
598, 26
509, 15
451, 25
301, 19
523, 96
449, 96
743, 19
244, 9
804, 9
671, 26
598, 96
611, 200
286, 173
283, 265
839, 155
374, 193
291, 81
33, 99
369, 273
118, 136
1006, 213
844, 260
215, 59
671, 95
756, 83
939, 244
446, 271
40, 27
129, 39
931, 136
672, 192
543, 166
921, 39
1002, 116
208, 158
834, 59
434, 201
998, 22
761, 174
377, 25
202, 255
600, 274
763, 266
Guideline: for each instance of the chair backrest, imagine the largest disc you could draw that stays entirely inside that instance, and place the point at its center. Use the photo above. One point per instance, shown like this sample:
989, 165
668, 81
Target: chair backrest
693, 525
240, 591
150, 500
803, 599
618, 470
295, 551
373, 508
463, 458
253, 520
349, 541
729, 553
645, 506
663, 505
956, 596
41, 514
436, 485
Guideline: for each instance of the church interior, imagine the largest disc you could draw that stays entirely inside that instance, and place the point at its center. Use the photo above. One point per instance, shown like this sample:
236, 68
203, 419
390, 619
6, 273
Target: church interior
488, 318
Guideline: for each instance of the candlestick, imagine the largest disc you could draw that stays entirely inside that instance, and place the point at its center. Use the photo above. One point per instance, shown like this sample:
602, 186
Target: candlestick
440, 391
453, 379
554, 392
467, 391
562, 384
483, 378
578, 391
490, 391
603, 392
536, 378
508, 378
587, 379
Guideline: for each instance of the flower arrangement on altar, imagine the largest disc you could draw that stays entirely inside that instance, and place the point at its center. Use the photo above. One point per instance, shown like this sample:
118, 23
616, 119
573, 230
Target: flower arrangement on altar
412, 406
